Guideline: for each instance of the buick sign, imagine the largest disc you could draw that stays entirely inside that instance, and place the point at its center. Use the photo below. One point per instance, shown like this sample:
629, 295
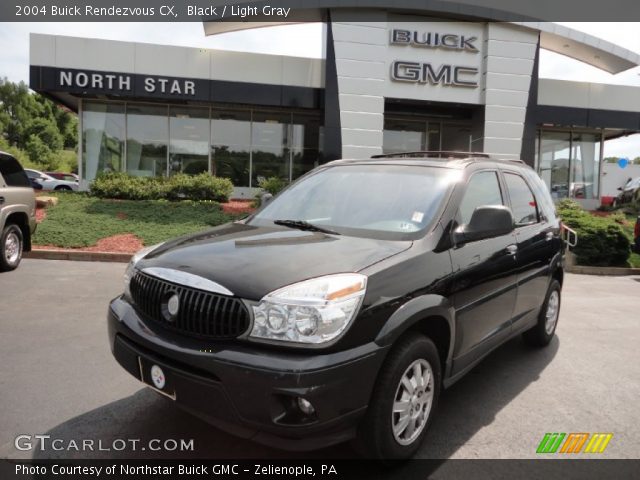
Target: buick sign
434, 40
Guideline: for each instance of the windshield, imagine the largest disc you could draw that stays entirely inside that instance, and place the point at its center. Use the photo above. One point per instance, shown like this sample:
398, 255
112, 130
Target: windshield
377, 201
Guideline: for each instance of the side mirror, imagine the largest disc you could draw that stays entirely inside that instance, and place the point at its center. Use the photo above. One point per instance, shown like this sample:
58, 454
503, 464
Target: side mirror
486, 222
265, 198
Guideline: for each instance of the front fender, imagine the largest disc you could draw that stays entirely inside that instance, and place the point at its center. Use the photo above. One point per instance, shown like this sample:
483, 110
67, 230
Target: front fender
412, 312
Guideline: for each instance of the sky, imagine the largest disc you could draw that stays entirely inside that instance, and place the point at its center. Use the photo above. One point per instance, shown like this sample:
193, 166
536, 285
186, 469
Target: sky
14, 49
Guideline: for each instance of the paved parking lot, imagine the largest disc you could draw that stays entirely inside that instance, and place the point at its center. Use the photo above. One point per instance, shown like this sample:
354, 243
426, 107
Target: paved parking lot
58, 376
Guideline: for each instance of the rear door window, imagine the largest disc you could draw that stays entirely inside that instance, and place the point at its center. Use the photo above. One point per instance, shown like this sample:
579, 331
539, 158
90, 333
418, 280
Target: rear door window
523, 203
12, 172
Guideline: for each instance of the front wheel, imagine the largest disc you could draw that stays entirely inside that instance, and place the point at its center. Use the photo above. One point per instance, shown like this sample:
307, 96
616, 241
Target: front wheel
542, 333
62, 188
11, 245
403, 401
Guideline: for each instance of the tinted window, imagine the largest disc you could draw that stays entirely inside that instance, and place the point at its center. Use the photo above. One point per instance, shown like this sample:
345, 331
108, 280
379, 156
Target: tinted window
523, 203
483, 189
12, 172
377, 201
546, 207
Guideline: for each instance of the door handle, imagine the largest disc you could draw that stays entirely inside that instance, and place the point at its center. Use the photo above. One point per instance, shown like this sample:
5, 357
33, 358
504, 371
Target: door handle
1, 200
512, 249
549, 236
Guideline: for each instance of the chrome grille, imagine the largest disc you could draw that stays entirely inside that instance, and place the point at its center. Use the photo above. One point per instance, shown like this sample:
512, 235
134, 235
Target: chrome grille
201, 314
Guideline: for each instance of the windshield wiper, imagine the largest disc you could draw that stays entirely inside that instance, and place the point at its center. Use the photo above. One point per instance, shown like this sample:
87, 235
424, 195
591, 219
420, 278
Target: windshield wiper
304, 225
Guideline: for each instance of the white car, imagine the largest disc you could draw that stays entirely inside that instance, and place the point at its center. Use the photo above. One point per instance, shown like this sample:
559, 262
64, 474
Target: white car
50, 183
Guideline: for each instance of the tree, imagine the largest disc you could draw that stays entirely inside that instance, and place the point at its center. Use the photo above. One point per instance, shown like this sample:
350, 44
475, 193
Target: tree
47, 131
23, 113
39, 152
17, 108
610, 159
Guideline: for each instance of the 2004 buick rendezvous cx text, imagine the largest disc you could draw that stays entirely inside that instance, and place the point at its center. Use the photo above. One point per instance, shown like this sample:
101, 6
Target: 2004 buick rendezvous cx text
342, 307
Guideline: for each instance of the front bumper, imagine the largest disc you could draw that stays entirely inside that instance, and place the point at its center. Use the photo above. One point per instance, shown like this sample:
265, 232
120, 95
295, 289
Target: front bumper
249, 390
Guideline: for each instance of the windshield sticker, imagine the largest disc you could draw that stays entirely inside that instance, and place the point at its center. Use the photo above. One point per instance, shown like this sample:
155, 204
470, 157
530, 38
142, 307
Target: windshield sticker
417, 217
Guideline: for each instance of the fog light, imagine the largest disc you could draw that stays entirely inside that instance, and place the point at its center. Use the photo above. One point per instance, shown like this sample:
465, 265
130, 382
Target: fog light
305, 406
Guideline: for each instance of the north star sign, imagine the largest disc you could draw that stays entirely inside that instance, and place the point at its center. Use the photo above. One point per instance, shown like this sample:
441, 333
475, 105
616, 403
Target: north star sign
427, 73
118, 83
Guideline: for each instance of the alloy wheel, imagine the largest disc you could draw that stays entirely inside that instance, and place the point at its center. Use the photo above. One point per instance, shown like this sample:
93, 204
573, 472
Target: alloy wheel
551, 315
412, 402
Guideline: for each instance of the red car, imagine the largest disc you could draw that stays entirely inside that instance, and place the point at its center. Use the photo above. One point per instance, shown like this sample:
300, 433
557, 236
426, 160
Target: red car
69, 177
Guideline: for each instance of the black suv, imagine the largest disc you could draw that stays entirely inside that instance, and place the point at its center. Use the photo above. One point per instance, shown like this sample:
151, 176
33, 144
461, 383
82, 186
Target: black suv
343, 306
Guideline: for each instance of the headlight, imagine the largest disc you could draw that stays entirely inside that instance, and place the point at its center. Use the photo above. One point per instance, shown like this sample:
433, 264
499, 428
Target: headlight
128, 273
313, 311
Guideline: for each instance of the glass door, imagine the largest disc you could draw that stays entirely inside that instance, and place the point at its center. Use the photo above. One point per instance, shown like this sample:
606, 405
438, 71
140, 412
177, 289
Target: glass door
554, 162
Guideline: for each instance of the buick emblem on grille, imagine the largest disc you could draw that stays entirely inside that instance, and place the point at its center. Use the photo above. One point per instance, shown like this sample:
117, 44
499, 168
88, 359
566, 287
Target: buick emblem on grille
170, 306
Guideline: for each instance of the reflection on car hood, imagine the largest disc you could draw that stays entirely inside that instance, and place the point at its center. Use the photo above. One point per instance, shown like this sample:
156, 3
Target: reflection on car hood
253, 261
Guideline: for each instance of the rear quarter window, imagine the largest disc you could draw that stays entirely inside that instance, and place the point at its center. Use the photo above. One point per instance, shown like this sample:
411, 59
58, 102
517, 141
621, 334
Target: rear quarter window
546, 206
523, 202
12, 172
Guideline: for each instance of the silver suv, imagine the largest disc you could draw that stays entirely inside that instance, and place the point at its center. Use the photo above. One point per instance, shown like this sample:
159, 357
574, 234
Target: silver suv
17, 212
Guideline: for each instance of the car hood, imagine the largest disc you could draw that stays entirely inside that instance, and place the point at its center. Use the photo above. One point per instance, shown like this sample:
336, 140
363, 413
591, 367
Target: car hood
252, 261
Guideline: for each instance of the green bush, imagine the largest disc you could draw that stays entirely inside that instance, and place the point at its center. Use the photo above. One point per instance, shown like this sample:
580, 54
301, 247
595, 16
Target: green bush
601, 240
198, 187
177, 187
272, 185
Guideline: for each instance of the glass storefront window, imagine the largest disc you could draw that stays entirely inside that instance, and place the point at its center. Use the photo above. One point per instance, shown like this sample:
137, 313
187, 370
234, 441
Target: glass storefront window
103, 138
569, 163
147, 138
585, 165
404, 136
189, 142
553, 163
412, 135
157, 140
455, 137
231, 145
269, 146
305, 140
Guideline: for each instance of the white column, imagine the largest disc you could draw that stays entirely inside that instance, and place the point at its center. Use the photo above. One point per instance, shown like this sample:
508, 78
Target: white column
508, 65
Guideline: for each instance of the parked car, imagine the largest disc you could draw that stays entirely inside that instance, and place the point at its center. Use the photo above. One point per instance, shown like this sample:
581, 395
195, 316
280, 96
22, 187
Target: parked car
636, 235
346, 303
17, 212
35, 185
69, 177
50, 183
629, 193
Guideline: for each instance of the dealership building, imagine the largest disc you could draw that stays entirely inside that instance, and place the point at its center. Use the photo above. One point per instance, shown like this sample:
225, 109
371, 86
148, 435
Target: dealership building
389, 81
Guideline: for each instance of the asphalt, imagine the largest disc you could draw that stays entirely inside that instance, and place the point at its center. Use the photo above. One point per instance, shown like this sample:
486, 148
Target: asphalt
58, 377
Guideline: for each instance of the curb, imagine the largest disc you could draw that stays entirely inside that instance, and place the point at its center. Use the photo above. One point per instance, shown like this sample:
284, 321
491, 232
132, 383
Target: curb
81, 256
617, 271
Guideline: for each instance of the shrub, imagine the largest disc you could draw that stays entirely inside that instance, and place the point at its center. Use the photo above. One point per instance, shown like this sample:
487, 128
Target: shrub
601, 240
198, 187
178, 187
272, 185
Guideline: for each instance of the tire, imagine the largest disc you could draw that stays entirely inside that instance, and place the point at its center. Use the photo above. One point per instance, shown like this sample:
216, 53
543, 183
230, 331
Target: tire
542, 333
11, 246
62, 188
376, 436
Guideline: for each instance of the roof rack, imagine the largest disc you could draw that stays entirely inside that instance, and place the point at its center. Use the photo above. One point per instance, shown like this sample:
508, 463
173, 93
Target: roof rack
432, 153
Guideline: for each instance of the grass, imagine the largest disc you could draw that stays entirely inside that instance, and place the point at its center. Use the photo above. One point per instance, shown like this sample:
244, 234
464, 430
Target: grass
80, 221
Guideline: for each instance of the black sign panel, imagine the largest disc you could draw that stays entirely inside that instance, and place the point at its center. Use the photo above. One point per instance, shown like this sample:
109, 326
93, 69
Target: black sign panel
80, 83
92, 82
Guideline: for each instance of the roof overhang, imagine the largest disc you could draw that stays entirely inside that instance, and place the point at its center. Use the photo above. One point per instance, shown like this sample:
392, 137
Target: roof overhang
554, 37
